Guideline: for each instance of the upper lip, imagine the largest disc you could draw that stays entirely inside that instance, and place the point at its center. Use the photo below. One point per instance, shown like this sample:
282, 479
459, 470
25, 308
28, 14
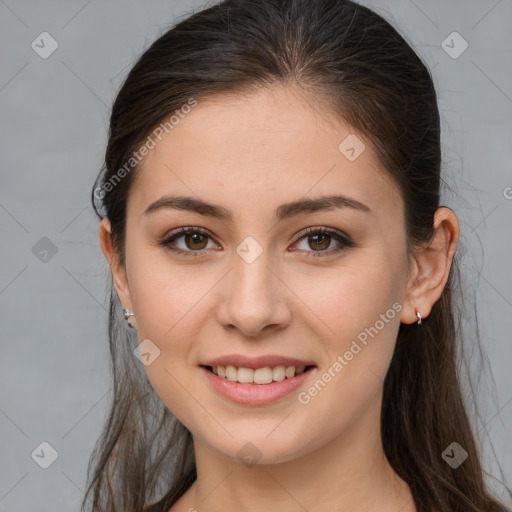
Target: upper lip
241, 361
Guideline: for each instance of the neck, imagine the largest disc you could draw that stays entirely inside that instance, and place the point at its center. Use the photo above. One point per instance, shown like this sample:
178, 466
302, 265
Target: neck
350, 472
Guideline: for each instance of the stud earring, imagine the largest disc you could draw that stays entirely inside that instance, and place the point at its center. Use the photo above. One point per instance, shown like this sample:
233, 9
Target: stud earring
127, 315
418, 316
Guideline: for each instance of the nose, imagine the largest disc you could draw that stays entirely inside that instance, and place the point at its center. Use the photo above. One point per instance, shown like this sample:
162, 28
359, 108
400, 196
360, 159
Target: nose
253, 298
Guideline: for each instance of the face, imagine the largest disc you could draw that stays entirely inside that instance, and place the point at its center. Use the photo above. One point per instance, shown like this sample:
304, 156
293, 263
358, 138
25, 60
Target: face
266, 284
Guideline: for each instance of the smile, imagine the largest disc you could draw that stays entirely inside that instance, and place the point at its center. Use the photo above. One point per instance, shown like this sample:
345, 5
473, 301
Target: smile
247, 391
262, 376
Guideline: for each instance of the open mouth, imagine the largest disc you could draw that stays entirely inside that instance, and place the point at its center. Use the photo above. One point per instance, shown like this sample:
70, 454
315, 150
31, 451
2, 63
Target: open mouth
265, 375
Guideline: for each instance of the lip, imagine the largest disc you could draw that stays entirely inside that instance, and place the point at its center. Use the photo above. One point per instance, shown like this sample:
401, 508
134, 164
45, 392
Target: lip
255, 394
241, 361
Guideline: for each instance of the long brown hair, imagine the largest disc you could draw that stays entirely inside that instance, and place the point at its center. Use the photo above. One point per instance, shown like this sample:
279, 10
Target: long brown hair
349, 59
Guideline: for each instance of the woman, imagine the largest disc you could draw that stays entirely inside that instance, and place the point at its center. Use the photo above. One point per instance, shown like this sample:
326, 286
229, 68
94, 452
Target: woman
270, 212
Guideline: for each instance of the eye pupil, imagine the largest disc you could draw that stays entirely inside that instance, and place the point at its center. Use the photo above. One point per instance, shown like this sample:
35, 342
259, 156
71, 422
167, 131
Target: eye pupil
322, 238
195, 239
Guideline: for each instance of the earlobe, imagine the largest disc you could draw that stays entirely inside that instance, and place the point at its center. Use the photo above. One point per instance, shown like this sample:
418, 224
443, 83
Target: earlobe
431, 267
118, 271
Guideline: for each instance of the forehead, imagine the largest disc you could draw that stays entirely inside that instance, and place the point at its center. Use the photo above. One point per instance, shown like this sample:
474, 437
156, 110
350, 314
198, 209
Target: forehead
261, 148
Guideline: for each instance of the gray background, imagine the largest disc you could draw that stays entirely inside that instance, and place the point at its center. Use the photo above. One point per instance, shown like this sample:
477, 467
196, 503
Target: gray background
54, 365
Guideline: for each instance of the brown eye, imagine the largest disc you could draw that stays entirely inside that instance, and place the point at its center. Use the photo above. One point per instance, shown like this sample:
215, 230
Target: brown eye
319, 241
195, 241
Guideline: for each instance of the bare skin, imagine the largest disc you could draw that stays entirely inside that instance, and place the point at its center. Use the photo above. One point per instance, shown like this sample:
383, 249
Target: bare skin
251, 154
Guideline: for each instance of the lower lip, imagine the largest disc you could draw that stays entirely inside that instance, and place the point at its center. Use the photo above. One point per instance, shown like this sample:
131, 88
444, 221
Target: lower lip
255, 394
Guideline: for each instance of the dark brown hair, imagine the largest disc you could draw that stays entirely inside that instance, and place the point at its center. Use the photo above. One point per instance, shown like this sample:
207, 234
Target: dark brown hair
352, 62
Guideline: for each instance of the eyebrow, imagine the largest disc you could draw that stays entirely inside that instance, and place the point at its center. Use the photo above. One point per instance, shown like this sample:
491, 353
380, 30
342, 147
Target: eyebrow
284, 211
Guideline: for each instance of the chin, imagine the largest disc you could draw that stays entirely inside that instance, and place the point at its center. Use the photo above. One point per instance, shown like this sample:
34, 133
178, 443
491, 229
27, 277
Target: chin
257, 449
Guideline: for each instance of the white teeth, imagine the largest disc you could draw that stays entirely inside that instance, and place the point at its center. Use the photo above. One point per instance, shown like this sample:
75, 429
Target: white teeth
231, 373
290, 372
279, 373
265, 375
245, 375
262, 375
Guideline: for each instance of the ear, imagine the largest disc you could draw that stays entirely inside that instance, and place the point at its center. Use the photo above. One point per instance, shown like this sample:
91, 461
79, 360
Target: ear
431, 266
118, 271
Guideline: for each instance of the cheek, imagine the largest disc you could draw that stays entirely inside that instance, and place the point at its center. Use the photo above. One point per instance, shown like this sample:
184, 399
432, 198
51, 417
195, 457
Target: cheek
171, 307
356, 314
168, 298
344, 301
365, 318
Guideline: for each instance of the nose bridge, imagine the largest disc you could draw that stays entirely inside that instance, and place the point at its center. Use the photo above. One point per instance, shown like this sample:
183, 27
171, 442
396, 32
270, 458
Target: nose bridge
252, 299
251, 273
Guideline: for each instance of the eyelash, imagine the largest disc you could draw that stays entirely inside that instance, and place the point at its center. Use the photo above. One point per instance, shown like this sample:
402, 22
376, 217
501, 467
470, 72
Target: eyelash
344, 241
